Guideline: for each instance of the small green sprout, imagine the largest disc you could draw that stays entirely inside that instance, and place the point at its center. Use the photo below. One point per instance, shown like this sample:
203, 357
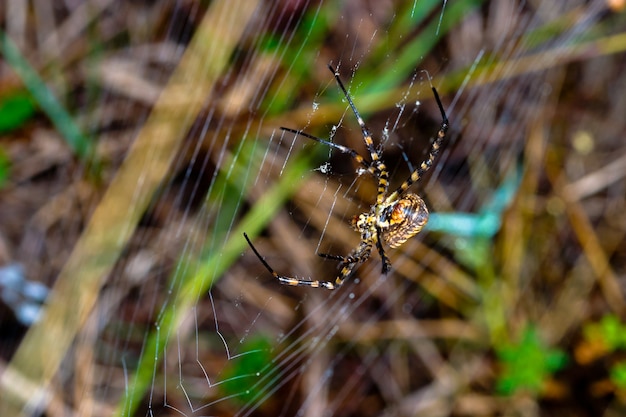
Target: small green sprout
609, 331
528, 364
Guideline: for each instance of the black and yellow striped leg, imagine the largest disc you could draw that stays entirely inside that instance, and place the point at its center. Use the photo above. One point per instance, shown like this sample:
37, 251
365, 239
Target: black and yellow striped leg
377, 168
428, 162
349, 263
354, 154
294, 281
367, 135
360, 255
377, 164
381, 251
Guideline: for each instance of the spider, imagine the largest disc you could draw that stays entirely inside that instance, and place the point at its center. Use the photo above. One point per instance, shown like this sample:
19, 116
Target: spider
392, 220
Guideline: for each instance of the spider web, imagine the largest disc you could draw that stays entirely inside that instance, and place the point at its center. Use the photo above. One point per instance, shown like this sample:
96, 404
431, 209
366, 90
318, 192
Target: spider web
190, 323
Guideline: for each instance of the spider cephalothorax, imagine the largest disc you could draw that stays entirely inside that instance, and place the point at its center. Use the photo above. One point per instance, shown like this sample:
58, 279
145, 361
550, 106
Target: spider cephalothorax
392, 220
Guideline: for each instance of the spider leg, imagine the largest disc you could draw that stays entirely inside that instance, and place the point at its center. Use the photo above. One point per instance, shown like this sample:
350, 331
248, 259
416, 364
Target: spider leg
349, 263
331, 256
367, 135
428, 162
381, 251
294, 281
377, 165
341, 258
361, 255
358, 158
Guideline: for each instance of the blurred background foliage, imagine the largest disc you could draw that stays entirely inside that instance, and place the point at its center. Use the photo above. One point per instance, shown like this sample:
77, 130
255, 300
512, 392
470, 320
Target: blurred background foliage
140, 139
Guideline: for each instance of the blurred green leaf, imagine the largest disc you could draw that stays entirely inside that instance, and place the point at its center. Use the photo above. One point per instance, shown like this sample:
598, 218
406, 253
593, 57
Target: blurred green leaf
240, 379
618, 375
46, 99
15, 109
610, 331
5, 168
